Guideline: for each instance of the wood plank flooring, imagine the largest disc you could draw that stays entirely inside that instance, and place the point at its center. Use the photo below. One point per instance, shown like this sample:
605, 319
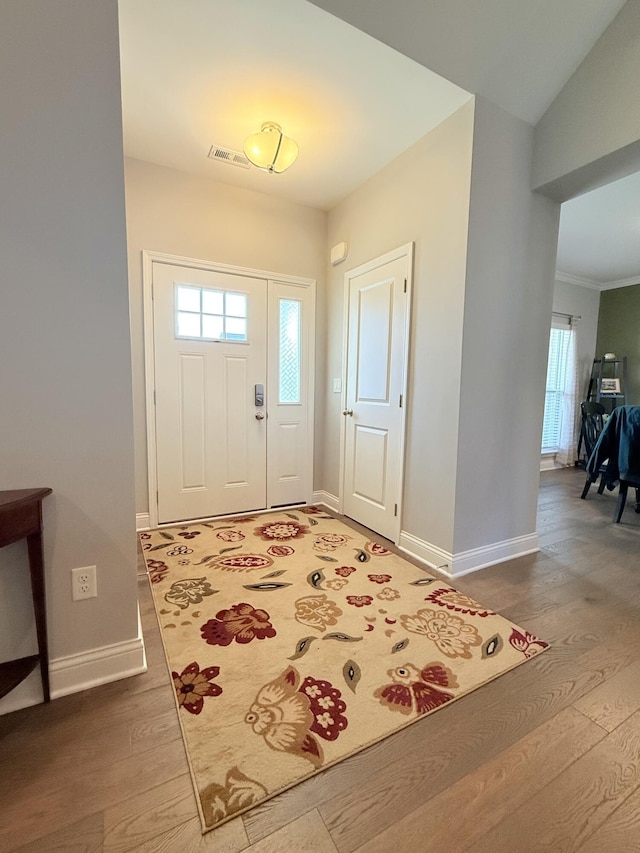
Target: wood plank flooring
546, 758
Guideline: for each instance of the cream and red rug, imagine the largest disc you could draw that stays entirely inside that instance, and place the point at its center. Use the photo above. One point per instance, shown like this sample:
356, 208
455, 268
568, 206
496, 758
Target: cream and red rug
295, 642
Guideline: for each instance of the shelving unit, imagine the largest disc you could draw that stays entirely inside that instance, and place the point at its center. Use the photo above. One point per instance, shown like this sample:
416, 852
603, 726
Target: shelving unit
604, 369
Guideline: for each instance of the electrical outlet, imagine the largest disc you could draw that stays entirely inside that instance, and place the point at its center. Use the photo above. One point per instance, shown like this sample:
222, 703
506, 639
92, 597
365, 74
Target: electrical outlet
83, 583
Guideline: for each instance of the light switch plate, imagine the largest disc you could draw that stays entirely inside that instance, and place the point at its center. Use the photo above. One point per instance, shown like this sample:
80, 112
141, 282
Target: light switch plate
337, 386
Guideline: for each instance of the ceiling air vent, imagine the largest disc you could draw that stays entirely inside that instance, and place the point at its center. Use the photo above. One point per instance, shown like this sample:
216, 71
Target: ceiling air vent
226, 155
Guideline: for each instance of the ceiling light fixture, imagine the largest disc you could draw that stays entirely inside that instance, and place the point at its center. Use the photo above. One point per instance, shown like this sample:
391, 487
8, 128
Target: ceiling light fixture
270, 149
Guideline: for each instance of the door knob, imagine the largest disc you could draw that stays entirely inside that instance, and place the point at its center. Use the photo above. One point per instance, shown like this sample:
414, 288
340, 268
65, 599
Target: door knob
259, 416
348, 412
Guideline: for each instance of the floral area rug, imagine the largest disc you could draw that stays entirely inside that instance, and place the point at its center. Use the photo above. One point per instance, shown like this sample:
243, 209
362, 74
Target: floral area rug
294, 642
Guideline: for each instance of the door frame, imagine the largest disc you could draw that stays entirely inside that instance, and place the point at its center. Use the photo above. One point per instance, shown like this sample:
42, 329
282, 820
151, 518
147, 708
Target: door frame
148, 259
405, 251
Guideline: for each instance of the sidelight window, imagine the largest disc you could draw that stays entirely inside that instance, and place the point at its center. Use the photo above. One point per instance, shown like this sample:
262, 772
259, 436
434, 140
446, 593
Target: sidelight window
289, 360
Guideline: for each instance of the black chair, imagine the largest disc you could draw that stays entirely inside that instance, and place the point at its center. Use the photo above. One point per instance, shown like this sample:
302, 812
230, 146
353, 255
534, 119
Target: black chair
592, 423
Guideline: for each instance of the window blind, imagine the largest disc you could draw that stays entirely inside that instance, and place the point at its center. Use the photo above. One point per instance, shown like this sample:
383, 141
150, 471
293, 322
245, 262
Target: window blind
556, 377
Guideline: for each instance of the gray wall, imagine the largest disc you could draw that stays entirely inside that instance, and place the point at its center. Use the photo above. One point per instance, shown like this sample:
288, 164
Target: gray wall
508, 296
170, 211
590, 135
65, 374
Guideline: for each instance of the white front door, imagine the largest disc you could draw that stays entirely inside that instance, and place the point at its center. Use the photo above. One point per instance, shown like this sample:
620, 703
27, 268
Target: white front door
210, 352
378, 322
229, 364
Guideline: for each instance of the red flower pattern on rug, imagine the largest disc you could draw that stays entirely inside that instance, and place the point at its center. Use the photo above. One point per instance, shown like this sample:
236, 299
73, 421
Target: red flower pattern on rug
281, 531
157, 570
412, 690
286, 713
457, 601
326, 706
242, 623
379, 578
359, 600
526, 643
193, 684
344, 571
230, 535
280, 550
376, 550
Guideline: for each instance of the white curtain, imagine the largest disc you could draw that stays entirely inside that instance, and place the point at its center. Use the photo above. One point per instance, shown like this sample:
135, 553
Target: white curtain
567, 445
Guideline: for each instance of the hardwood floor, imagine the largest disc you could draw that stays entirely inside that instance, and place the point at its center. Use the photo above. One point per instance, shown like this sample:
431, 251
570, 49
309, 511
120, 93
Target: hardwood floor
546, 758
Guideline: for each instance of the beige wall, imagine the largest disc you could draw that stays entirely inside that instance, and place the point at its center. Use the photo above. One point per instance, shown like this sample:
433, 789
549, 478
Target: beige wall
65, 373
422, 196
173, 212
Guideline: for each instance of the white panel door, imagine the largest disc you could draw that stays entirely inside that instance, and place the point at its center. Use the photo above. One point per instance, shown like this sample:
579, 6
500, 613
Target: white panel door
373, 414
210, 352
290, 436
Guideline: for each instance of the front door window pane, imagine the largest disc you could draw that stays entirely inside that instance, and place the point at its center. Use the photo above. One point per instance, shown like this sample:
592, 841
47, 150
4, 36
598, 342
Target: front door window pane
236, 305
212, 327
213, 302
236, 329
188, 325
212, 315
188, 298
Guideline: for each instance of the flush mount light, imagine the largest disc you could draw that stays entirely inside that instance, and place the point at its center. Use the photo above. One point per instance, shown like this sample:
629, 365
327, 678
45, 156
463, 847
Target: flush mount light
270, 149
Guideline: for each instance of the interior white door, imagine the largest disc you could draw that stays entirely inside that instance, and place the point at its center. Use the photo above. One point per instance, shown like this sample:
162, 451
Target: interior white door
374, 423
210, 353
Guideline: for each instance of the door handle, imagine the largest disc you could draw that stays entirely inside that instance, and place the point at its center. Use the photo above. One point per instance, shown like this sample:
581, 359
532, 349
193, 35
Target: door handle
348, 412
259, 416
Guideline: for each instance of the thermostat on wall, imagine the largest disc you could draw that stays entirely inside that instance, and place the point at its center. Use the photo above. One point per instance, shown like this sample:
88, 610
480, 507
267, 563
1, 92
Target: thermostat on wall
338, 253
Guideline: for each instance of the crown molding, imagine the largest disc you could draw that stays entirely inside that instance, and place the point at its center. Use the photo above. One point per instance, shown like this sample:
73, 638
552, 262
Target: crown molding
622, 282
579, 280
597, 285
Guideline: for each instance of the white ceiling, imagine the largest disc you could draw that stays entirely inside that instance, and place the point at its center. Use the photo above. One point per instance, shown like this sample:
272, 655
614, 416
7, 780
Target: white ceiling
599, 237
197, 73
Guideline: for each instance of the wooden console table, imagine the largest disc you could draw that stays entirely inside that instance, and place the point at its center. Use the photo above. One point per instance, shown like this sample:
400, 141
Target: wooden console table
21, 518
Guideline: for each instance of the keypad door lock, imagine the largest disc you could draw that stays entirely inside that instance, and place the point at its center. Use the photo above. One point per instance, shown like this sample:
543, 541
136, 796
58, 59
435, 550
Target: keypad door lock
259, 395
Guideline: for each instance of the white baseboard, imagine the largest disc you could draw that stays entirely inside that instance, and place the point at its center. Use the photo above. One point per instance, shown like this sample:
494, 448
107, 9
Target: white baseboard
548, 462
465, 562
81, 671
425, 552
142, 521
326, 498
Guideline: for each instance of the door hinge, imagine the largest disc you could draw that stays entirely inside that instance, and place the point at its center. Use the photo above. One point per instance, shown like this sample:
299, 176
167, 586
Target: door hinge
405, 285
400, 402
395, 509
154, 397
